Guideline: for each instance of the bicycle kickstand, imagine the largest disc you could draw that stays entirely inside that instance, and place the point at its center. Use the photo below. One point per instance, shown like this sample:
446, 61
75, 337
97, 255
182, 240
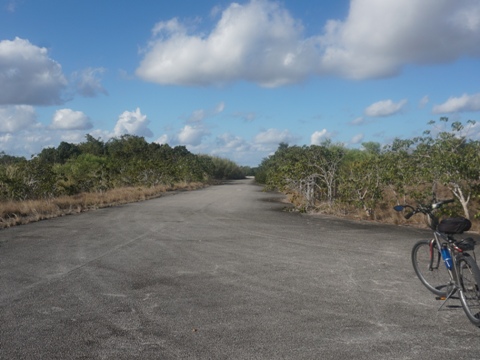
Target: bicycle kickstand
446, 298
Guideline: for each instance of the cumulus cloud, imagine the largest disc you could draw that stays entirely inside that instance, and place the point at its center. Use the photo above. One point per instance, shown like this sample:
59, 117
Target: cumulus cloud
164, 139
459, 104
237, 149
28, 76
30, 141
67, 119
26, 142
192, 135
261, 42
379, 37
16, 118
385, 108
22, 135
258, 42
133, 123
319, 136
274, 136
229, 142
73, 136
88, 82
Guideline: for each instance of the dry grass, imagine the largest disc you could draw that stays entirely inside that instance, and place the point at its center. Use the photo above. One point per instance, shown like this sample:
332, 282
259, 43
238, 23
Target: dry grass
14, 213
384, 213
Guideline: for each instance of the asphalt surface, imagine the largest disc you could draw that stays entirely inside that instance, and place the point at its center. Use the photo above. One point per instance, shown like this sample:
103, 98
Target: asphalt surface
219, 273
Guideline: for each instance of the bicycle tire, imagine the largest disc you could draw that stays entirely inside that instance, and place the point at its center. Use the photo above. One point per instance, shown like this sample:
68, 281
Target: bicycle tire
433, 274
469, 277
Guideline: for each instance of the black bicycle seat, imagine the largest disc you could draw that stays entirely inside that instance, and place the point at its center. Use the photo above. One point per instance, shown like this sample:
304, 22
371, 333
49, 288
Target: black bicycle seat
455, 225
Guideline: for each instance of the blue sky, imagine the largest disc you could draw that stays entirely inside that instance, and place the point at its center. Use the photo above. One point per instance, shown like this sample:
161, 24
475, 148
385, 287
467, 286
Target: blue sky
234, 79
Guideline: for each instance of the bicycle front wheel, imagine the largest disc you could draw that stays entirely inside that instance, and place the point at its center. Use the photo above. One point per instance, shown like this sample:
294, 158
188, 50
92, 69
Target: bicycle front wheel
429, 267
469, 277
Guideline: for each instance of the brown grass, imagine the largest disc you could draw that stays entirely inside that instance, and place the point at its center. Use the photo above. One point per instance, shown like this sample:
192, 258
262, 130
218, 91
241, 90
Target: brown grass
14, 213
384, 213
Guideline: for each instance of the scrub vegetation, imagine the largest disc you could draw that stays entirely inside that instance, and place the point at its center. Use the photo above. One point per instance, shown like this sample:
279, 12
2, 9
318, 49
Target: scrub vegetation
367, 183
77, 177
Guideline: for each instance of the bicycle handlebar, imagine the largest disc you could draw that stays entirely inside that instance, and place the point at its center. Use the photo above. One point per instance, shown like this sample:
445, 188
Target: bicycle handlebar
424, 209
443, 202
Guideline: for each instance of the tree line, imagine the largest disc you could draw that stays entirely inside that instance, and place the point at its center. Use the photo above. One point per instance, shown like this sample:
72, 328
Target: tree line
438, 164
97, 166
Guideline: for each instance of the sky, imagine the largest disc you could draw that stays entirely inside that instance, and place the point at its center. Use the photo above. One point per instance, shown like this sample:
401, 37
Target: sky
235, 79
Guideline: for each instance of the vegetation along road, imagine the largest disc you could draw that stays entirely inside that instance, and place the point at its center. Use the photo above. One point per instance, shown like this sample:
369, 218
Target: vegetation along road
219, 273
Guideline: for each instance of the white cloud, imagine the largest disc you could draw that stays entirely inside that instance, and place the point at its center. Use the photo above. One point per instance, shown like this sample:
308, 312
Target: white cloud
201, 114
319, 136
67, 119
191, 135
258, 42
238, 149
358, 121
88, 82
72, 136
197, 116
164, 139
459, 104
424, 101
385, 108
274, 136
133, 123
357, 139
22, 135
16, 118
28, 76
28, 142
379, 37
230, 143
261, 42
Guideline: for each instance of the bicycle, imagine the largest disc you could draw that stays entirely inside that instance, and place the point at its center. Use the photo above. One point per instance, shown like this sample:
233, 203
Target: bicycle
462, 274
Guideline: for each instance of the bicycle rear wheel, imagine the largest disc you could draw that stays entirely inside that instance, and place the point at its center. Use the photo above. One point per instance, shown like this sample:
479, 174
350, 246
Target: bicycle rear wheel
469, 277
428, 265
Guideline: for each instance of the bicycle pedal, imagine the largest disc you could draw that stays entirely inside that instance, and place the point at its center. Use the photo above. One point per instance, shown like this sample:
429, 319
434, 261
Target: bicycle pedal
443, 298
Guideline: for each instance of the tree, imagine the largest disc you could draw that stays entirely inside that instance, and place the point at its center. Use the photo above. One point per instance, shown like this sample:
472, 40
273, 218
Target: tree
92, 146
309, 171
453, 161
6, 159
24, 180
66, 151
362, 179
85, 173
372, 147
325, 161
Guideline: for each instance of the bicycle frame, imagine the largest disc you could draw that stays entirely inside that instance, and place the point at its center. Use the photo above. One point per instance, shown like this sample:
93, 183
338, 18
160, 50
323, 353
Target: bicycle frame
440, 240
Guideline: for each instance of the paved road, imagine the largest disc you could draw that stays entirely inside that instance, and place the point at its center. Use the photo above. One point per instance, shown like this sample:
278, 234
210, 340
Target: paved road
220, 273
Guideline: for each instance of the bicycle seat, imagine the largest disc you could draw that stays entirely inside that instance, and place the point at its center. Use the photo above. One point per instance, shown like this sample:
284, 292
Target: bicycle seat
455, 225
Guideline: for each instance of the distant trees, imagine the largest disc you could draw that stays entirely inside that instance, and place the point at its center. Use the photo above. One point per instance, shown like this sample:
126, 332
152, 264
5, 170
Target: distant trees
96, 166
416, 168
